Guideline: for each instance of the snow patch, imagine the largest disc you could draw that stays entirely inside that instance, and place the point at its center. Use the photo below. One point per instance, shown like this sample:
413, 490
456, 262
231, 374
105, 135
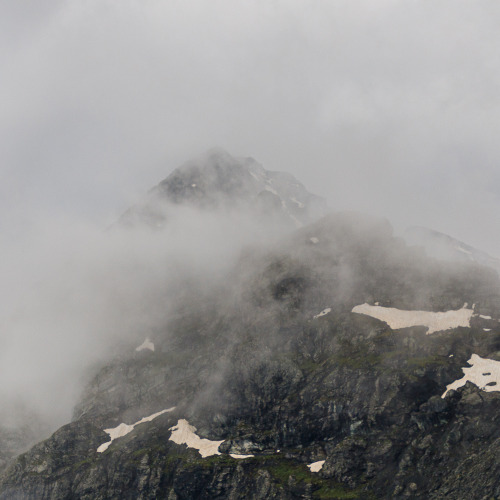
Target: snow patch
434, 321
240, 457
147, 344
254, 175
463, 250
183, 433
124, 429
484, 317
271, 190
294, 219
316, 466
487, 329
115, 433
314, 240
299, 203
324, 312
485, 373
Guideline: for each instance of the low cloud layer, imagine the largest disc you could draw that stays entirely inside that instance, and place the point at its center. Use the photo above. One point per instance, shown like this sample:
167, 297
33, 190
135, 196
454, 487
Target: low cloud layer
76, 296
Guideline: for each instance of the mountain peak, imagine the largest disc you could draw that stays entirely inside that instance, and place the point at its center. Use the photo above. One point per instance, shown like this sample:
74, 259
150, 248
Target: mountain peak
217, 180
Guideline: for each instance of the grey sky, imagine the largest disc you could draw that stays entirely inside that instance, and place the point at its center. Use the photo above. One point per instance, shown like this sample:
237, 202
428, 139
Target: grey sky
387, 106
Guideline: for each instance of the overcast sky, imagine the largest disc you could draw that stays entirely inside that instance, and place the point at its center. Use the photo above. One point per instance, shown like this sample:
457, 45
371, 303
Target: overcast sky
386, 106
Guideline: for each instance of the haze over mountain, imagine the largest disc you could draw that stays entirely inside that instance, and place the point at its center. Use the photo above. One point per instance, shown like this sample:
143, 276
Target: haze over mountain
243, 357
71, 301
223, 311
442, 246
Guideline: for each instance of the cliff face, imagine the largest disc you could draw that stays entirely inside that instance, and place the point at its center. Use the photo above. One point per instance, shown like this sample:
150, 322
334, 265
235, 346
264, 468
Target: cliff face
268, 385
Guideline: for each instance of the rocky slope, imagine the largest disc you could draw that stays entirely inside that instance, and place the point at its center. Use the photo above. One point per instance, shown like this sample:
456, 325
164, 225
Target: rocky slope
443, 246
20, 428
292, 393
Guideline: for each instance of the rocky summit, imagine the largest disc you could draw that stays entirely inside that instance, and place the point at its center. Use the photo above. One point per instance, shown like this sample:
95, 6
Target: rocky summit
217, 180
336, 362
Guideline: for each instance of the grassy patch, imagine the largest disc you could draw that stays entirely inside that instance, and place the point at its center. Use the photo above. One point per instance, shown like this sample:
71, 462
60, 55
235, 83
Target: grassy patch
282, 470
308, 365
211, 462
422, 362
84, 463
339, 491
355, 361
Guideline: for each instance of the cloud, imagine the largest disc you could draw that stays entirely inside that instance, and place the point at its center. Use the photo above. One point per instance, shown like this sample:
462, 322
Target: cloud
74, 296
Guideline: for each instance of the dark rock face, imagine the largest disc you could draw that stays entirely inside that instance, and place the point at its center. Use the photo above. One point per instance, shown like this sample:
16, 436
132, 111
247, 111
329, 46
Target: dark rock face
254, 364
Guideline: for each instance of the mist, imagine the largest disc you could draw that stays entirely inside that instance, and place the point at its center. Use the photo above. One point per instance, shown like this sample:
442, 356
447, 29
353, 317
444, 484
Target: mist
78, 296
387, 107
384, 107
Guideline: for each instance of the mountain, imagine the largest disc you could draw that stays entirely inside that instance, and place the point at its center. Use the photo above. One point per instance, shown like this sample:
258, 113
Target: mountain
337, 362
20, 429
217, 180
442, 246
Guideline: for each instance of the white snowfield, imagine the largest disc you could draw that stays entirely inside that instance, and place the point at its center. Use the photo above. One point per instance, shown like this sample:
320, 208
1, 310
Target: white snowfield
316, 466
124, 429
183, 433
481, 373
147, 344
240, 457
434, 321
314, 240
324, 312
271, 190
